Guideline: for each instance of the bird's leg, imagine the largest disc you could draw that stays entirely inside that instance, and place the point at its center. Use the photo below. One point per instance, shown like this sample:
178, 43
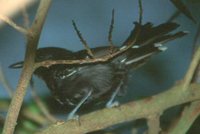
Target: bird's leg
111, 103
72, 114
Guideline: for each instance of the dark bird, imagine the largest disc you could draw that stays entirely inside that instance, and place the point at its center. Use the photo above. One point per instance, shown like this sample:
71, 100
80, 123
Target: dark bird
82, 84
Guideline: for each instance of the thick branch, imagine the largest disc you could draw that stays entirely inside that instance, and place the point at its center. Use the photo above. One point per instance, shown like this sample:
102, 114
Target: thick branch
191, 112
134, 110
190, 73
187, 118
32, 41
111, 28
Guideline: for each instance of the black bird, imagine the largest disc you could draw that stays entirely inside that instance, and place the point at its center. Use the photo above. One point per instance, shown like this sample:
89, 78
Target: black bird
83, 84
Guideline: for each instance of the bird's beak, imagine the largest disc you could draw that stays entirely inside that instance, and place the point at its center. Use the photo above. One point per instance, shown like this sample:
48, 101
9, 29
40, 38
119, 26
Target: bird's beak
17, 65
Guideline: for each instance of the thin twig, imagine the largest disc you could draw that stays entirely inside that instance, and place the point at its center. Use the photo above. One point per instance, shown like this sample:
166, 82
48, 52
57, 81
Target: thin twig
185, 121
14, 25
27, 71
181, 6
25, 17
174, 16
111, 29
140, 11
82, 39
41, 105
5, 83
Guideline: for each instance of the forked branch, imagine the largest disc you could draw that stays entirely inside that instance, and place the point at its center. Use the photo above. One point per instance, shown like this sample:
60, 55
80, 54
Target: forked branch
82, 40
32, 42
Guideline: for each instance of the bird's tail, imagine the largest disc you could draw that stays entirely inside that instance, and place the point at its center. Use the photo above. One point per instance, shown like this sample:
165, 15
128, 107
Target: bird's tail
146, 40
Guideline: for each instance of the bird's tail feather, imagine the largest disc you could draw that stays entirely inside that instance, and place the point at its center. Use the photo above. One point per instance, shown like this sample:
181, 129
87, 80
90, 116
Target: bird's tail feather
145, 40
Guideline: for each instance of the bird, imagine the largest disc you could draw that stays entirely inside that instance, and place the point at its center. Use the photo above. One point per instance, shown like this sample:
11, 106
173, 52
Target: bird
78, 85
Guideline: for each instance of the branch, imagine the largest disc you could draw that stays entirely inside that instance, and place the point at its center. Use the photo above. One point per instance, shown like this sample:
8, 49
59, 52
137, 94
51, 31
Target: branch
26, 19
191, 112
111, 29
102, 59
196, 38
140, 11
32, 42
174, 16
190, 73
183, 9
127, 112
188, 116
42, 106
153, 122
14, 25
89, 51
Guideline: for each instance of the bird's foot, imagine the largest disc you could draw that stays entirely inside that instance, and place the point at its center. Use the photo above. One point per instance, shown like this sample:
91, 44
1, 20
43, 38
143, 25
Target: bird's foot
112, 104
73, 117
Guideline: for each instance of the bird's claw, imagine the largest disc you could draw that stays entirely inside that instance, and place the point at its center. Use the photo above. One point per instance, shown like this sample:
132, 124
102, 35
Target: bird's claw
73, 117
112, 104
